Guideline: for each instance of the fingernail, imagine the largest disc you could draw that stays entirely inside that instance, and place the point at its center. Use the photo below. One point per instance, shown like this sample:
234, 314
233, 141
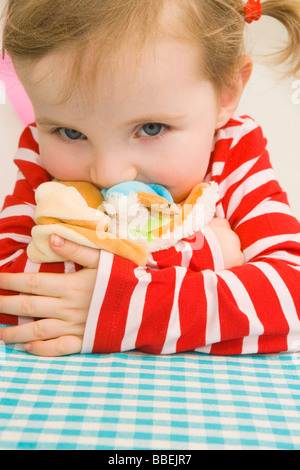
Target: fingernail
28, 347
57, 241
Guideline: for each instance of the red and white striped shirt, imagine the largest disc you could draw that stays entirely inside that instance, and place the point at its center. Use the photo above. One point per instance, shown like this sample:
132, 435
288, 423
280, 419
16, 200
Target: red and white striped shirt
184, 299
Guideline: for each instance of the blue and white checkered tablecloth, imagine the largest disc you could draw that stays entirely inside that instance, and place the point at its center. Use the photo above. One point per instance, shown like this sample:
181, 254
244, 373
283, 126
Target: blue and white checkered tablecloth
134, 401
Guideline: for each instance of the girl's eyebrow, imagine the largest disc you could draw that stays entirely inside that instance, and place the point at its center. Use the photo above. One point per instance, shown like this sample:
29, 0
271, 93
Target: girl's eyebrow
160, 118
49, 122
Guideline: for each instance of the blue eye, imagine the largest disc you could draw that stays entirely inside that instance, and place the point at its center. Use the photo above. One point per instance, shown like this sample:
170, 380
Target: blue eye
71, 134
151, 130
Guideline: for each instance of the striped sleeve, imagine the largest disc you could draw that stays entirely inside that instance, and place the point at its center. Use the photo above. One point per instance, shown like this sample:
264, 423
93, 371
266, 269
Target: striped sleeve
179, 304
126, 291
17, 217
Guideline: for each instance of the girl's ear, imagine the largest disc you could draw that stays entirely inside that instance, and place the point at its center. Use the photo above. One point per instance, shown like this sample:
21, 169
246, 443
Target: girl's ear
230, 96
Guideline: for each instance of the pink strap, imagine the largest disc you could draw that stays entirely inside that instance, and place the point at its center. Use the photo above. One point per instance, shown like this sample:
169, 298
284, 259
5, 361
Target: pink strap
15, 91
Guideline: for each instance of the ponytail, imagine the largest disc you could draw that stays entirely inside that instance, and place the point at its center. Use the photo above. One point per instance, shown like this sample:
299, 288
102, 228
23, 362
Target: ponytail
287, 12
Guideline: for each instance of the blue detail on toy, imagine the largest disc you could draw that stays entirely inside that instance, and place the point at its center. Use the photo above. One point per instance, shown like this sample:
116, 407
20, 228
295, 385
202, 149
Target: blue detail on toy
134, 187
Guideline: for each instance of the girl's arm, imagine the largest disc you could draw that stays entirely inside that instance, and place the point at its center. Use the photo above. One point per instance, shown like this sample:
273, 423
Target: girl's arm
17, 218
177, 305
47, 303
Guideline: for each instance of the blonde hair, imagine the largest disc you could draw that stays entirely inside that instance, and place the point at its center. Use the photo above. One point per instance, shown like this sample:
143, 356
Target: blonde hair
35, 28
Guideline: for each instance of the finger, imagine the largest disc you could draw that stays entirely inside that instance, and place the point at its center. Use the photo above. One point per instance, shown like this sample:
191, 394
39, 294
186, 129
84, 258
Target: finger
31, 306
82, 255
46, 284
39, 330
63, 346
219, 222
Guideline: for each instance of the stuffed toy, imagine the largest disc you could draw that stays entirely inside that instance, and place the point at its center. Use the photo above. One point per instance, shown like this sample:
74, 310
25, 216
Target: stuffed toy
131, 219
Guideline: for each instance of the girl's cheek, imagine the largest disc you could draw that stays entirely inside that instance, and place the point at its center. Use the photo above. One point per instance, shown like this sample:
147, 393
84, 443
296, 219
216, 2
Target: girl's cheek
55, 163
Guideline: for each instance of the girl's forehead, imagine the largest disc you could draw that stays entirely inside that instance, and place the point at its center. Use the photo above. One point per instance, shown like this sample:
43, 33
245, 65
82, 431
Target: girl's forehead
167, 64
105, 63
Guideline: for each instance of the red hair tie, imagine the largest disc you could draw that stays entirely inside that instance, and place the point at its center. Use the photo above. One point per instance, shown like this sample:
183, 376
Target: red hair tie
253, 10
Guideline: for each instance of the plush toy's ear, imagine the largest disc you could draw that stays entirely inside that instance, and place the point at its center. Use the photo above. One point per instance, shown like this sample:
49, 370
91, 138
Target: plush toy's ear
156, 203
73, 203
196, 212
90, 193
187, 207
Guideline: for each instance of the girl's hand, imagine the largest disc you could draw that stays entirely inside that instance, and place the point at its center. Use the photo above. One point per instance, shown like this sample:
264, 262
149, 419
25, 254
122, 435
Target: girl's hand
62, 301
229, 242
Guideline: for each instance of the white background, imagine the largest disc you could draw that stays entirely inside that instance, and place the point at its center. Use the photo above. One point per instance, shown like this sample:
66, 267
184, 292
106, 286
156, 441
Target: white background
274, 103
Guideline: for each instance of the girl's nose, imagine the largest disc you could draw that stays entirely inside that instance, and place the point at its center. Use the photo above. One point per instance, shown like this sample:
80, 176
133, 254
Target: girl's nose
111, 173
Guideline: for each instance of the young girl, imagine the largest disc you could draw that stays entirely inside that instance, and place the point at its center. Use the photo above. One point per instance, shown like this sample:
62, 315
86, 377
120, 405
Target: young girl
147, 90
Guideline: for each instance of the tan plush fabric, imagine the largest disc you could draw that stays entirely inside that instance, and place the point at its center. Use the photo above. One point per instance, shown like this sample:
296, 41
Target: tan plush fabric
77, 212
